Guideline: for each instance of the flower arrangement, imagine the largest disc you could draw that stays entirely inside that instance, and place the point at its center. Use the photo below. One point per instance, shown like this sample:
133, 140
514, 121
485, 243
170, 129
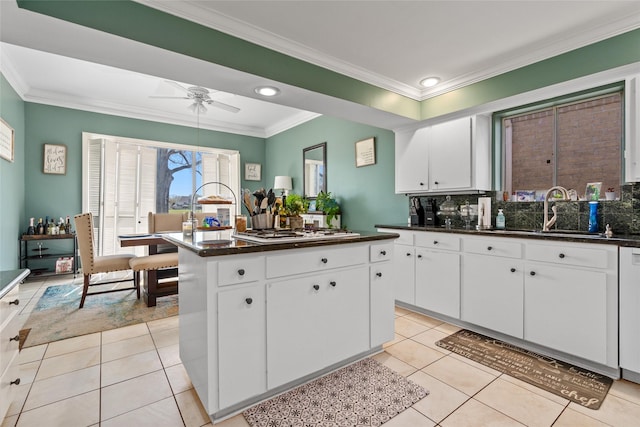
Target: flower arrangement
296, 205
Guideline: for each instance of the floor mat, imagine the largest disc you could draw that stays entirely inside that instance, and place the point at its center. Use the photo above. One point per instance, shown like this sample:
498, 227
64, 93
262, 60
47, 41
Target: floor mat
57, 315
571, 382
365, 393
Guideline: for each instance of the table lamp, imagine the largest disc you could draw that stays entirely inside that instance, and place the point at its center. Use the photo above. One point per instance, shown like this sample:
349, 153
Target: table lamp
283, 183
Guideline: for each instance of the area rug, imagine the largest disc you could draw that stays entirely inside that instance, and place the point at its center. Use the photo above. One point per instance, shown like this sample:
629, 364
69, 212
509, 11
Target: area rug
365, 393
56, 316
571, 382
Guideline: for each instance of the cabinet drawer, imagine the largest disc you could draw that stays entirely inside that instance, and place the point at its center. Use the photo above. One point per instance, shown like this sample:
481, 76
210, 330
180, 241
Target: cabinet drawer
381, 252
495, 247
8, 305
406, 237
240, 270
569, 255
446, 241
316, 260
8, 390
9, 345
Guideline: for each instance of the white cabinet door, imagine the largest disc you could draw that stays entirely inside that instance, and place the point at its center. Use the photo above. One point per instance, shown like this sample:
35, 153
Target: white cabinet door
630, 309
241, 344
404, 273
566, 309
438, 282
345, 310
295, 333
319, 320
411, 163
492, 293
382, 307
450, 155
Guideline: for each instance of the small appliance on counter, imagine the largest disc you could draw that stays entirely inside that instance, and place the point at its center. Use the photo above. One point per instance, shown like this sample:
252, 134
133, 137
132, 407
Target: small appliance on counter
417, 212
484, 213
431, 214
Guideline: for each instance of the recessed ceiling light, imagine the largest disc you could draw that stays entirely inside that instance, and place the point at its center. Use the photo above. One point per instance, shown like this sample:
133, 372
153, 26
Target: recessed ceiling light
267, 91
430, 81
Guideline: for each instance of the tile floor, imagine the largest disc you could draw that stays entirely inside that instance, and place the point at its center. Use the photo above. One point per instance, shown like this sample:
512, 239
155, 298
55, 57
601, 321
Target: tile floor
132, 376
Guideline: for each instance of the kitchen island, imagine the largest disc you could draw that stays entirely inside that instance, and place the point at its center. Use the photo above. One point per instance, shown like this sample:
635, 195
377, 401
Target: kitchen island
259, 318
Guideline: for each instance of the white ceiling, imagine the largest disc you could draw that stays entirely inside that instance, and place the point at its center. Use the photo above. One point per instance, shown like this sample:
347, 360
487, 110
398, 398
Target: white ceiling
391, 44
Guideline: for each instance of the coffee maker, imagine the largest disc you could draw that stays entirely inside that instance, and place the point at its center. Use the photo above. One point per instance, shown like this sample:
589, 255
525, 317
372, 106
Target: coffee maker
430, 217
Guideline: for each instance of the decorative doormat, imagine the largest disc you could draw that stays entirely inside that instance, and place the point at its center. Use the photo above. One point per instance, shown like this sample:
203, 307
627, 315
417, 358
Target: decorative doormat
571, 382
365, 393
56, 316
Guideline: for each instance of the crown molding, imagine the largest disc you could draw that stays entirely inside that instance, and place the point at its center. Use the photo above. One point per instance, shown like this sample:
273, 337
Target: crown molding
547, 48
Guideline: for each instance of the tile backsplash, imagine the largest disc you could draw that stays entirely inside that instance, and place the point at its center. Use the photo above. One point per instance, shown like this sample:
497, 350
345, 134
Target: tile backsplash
623, 214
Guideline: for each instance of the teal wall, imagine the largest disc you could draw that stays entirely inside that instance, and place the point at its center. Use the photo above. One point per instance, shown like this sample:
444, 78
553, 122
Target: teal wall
12, 187
366, 194
60, 195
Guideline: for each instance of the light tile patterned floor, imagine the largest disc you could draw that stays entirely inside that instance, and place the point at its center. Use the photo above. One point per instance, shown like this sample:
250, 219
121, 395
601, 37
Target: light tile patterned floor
133, 376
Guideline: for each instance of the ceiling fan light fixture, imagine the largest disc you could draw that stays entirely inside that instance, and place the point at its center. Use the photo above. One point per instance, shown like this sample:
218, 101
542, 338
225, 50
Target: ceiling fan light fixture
429, 81
267, 90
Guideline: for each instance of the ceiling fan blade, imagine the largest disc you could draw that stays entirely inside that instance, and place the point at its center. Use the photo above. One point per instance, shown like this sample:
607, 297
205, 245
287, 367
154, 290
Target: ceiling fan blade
168, 97
177, 86
223, 106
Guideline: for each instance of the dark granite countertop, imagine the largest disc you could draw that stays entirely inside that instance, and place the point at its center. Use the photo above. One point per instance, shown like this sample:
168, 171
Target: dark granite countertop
632, 240
10, 278
205, 247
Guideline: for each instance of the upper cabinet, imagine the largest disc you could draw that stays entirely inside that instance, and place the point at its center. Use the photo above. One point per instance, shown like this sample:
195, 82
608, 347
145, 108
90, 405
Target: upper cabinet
450, 156
632, 130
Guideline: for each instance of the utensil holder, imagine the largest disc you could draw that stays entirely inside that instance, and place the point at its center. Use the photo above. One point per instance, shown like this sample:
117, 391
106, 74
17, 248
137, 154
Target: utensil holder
262, 221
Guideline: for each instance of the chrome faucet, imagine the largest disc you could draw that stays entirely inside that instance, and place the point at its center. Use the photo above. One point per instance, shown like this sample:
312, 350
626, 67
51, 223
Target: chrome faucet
548, 223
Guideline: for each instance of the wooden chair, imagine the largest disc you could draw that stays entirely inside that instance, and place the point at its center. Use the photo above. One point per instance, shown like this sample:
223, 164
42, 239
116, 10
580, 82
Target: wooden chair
165, 223
92, 264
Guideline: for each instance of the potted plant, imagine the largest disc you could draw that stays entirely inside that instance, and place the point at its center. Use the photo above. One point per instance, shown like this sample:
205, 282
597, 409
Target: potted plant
327, 204
610, 194
296, 205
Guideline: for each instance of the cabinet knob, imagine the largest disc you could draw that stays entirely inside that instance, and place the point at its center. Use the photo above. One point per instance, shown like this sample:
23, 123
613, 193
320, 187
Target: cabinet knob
419, 256
435, 242
561, 256
489, 248
15, 301
379, 274
422, 183
436, 182
316, 287
248, 301
16, 338
513, 270
241, 272
383, 253
532, 273
408, 253
333, 283
324, 260
15, 382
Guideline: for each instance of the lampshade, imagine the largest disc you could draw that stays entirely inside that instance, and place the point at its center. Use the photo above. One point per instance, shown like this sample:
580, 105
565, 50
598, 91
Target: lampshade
282, 183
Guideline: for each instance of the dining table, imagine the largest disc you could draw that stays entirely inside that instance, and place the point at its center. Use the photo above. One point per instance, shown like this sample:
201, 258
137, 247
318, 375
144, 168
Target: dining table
157, 283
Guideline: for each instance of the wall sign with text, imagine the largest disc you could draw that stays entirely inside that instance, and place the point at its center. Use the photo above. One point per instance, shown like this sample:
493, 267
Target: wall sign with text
55, 159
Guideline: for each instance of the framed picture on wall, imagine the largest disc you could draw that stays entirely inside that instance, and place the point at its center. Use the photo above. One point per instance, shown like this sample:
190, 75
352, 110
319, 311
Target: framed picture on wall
55, 159
366, 152
252, 171
7, 139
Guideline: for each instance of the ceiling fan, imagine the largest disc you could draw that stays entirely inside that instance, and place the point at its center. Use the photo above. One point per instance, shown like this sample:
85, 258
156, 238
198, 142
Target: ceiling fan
200, 96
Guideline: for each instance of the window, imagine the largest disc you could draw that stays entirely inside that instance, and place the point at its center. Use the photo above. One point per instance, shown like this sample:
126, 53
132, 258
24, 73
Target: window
567, 142
125, 179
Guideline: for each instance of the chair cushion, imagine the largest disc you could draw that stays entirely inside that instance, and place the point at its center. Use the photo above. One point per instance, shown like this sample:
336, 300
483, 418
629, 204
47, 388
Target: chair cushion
107, 263
154, 262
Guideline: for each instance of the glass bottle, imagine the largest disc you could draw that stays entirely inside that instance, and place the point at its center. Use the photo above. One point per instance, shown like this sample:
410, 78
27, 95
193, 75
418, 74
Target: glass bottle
593, 217
31, 229
40, 227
